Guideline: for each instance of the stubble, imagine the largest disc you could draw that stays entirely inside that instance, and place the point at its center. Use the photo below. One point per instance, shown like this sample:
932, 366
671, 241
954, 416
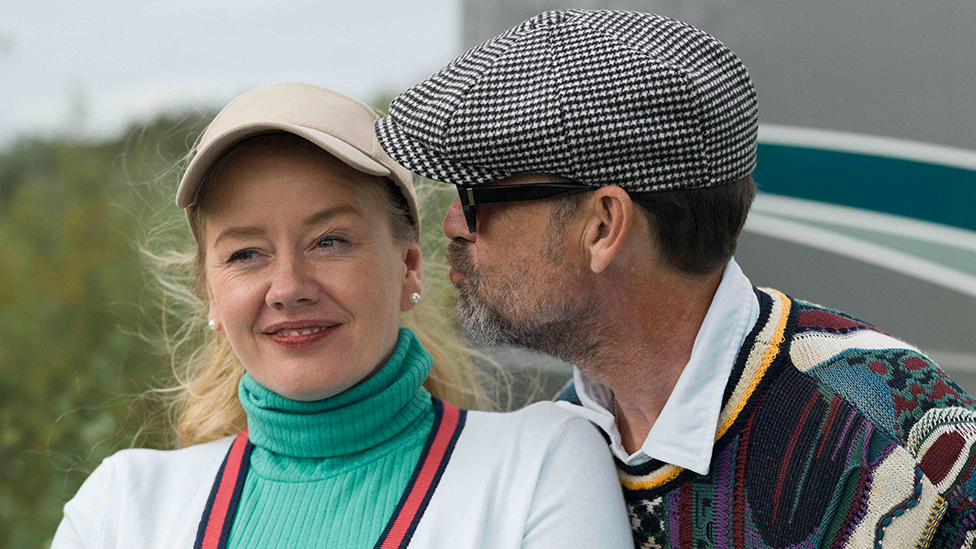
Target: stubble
535, 304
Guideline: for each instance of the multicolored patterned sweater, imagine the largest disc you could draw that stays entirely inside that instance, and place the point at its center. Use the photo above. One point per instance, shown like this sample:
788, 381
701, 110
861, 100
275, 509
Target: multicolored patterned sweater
832, 434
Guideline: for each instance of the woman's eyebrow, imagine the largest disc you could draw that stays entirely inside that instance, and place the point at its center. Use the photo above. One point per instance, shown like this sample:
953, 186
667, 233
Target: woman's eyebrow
238, 231
329, 213
315, 218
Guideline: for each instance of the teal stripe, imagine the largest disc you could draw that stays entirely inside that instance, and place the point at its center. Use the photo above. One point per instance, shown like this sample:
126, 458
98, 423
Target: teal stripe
919, 190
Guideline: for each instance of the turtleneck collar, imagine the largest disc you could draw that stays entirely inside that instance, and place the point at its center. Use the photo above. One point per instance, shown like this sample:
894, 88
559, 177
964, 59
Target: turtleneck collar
363, 417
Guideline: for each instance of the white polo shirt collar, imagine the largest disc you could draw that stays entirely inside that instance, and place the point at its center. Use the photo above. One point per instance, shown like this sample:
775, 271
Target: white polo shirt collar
684, 433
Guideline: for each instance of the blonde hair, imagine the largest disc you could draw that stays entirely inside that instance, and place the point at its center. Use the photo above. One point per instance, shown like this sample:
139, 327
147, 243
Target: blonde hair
201, 403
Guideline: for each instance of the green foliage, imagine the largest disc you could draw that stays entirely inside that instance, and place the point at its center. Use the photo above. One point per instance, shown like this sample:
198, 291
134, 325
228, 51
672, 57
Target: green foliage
73, 298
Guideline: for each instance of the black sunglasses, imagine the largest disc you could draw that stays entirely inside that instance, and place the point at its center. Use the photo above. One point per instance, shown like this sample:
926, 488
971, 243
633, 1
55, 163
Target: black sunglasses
472, 196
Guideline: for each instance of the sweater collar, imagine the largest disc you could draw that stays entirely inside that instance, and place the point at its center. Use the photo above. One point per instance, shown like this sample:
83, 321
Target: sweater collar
363, 417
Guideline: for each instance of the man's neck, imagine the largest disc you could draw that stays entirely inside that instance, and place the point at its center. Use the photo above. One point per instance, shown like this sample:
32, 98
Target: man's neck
646, 340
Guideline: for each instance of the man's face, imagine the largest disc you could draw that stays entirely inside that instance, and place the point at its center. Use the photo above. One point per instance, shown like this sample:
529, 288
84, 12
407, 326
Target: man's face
520, 275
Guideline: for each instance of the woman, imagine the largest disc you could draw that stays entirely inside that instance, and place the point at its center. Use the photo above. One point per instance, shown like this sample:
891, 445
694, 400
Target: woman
307, 254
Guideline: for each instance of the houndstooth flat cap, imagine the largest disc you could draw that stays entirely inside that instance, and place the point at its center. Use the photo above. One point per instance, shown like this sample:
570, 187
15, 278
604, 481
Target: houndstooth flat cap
598, 97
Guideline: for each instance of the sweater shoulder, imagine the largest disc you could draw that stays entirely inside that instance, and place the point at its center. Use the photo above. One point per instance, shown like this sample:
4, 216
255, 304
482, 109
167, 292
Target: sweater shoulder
186, 474
852, 400
147, 464
532, 434
539, 421
890, 381
534, 477
137, 495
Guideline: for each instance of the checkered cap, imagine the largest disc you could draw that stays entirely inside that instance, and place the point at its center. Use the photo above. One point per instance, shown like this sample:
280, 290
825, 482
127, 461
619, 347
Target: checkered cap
599, 97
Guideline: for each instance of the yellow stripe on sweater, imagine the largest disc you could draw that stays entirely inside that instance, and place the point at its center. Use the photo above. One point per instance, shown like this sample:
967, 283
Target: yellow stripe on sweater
665, 474
932, 524
779, 335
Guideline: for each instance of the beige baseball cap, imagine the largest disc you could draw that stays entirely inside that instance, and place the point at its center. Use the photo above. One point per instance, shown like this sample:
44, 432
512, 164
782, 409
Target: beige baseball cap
339, 124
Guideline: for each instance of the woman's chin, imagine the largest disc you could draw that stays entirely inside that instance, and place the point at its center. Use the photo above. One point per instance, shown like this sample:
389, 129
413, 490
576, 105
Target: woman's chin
305, 376
308, 370
322, 394
307, 388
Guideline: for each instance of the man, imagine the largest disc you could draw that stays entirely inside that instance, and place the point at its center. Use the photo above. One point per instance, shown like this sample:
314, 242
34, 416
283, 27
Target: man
603, 163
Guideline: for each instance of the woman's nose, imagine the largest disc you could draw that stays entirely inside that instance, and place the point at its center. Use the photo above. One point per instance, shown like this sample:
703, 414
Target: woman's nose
292, 285
455, 226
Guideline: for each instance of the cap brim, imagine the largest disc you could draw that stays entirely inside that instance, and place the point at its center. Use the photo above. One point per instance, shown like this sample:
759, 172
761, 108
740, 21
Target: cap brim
209, 153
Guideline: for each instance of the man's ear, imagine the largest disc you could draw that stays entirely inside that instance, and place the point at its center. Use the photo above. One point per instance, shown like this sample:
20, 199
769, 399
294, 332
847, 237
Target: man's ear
610, 220
413, 276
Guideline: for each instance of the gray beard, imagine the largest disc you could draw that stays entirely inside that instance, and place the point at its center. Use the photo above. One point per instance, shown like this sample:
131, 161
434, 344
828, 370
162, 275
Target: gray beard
483, 324
561, 327
529, 310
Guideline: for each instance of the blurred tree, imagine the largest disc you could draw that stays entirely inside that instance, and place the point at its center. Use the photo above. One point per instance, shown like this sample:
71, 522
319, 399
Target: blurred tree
72, 298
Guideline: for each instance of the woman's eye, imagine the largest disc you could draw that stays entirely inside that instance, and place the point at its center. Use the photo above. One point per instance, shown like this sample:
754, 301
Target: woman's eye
328, 242
242, 255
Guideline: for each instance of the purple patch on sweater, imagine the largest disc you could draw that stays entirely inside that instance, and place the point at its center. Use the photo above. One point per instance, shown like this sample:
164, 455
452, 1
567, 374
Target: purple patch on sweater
723, 491
674, 517
864, 444
751, 536
843, 436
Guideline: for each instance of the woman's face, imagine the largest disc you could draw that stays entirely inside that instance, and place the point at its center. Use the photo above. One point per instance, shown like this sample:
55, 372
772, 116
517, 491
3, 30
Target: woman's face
304, 276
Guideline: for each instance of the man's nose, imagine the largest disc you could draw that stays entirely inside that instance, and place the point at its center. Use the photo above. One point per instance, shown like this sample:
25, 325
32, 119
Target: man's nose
292, 285
455, 226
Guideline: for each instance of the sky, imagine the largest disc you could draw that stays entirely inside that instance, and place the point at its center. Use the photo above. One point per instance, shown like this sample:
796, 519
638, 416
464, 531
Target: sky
90, 68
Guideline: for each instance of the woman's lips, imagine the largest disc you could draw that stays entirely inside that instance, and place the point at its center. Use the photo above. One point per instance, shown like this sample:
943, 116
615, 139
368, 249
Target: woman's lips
300, 338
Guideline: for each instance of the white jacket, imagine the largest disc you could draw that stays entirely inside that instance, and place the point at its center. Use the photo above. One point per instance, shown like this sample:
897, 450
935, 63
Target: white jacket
537, 478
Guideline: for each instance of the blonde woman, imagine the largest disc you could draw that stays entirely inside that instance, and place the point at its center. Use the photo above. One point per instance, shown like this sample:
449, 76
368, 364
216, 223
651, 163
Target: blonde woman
305, 419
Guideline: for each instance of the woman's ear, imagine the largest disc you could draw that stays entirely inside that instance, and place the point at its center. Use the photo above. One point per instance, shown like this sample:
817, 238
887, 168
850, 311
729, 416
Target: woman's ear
216, 323
413, 276
610, 220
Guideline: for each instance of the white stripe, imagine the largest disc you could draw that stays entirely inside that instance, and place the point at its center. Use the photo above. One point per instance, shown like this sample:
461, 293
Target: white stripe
895, 477
924, 231
874, 254
775, 134
811, 349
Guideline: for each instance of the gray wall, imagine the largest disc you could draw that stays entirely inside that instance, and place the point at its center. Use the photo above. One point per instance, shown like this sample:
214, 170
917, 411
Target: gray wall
896, 68
937, 320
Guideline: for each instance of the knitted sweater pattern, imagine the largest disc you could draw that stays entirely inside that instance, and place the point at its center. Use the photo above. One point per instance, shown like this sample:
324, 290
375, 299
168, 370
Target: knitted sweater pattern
832, 434
329, 473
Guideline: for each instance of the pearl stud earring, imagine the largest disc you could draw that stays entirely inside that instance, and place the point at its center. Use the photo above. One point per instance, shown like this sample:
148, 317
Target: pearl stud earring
213, 325
415, 298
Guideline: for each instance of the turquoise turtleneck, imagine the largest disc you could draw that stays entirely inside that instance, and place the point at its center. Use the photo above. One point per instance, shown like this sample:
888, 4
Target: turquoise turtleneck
330, 473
